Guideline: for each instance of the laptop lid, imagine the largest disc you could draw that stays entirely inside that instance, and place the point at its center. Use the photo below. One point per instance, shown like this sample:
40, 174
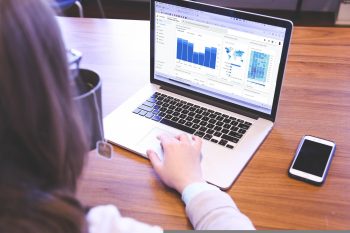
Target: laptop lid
229, 58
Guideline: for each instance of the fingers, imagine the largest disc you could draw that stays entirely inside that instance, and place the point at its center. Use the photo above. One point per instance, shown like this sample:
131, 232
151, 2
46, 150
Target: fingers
164, 139
197, 142
156, 162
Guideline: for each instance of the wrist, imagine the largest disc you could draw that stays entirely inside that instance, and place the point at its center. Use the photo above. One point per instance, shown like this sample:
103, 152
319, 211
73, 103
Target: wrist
194, 189
185, 184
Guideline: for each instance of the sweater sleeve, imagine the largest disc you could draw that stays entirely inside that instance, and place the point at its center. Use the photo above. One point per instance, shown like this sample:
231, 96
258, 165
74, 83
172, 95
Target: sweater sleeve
215, 210
107, 219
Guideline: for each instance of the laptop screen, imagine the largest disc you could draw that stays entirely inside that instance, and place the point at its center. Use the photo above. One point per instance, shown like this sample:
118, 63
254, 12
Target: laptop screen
227, 57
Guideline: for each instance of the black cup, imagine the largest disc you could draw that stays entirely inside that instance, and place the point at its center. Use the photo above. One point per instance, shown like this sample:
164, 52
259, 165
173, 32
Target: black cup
87, 89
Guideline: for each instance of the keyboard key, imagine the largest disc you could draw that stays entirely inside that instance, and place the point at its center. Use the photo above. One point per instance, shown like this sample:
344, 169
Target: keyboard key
235, 134
182, 121
210, 126
225, 131
174, 119
156, 118
227, 121
155, 94
229, 146
205, 118
162, 114
234, 123
199, 134
149, 115
217, 134
219, 118
195, 126
152, 100
213, 121
142, 113
207, 136
203, 129
196, 121
214, 140
146, 108
218, 128
177, 126
136, 111
188, 123
243, 126
148, 104
223, 142
242, 131
229, 138
247, 123
240, 121
203, 123
210, 131
168, 116
234, 128
189, 118
219, 123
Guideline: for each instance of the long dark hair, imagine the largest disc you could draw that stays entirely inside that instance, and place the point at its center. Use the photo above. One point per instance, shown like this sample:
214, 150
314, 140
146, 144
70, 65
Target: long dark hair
42, 145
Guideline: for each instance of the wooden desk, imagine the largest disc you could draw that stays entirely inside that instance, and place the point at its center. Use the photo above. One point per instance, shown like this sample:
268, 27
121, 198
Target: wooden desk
315, 100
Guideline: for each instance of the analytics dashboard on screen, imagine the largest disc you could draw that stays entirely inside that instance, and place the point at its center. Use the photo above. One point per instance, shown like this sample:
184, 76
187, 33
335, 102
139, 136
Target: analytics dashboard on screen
225, 57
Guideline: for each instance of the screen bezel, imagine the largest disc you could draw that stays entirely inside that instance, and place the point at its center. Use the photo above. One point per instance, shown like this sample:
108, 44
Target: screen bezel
288, 25
308, 176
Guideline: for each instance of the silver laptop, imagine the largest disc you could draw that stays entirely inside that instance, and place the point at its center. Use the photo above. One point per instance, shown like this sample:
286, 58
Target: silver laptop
215, 73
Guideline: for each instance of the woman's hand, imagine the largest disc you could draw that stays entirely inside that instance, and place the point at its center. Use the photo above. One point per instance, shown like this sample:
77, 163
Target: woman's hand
181, 163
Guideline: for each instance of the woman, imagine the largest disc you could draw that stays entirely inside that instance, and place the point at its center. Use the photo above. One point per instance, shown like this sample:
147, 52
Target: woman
42, 144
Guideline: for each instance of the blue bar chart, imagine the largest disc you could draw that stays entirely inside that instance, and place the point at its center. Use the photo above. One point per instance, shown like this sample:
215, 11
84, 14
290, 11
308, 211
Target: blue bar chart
258, 66
185, 52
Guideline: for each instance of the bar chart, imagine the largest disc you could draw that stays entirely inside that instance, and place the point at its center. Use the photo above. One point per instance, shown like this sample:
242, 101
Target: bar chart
185, 52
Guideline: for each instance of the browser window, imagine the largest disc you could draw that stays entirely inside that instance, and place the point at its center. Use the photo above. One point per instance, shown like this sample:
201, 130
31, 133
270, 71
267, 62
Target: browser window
224, 57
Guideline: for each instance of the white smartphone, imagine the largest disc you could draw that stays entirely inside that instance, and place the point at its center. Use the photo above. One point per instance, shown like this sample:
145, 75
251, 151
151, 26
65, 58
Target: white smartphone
312, 160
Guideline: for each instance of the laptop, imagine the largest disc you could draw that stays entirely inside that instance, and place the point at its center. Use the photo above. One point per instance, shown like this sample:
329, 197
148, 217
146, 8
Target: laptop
215, 73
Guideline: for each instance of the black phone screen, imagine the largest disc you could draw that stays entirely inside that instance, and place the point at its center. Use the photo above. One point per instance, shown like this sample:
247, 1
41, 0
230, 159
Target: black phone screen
313, 158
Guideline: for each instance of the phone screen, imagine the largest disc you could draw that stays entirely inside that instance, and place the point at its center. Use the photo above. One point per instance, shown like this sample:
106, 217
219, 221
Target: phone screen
312, 158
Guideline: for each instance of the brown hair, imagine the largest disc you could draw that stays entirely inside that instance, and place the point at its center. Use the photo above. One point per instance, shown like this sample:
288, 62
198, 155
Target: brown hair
42, 145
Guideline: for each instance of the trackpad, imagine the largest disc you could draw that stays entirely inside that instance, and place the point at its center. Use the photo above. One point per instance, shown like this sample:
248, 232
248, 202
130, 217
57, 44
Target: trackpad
150, 141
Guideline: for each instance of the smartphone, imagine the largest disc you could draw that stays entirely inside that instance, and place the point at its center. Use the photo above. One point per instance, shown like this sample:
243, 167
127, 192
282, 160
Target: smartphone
312, 160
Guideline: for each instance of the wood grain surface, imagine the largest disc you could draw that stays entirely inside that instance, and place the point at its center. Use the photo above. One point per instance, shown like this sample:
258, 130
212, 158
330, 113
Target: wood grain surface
315, 100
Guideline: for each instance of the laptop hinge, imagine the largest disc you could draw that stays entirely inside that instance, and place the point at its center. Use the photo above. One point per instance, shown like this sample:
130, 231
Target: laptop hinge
211, 102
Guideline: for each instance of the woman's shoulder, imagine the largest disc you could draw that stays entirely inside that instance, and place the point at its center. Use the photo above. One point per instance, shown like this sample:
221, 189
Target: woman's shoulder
107, 219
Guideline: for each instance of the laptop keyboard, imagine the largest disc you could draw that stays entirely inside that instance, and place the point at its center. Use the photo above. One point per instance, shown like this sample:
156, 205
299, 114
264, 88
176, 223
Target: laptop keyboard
205, 123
